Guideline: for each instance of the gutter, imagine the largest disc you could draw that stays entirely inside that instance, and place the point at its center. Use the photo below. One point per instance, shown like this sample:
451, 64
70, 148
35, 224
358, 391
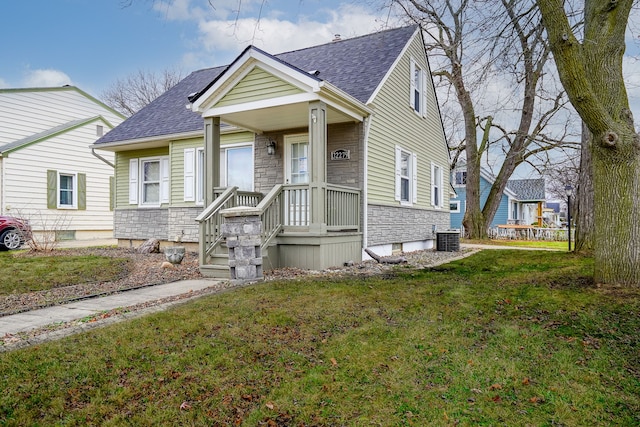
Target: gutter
93, 151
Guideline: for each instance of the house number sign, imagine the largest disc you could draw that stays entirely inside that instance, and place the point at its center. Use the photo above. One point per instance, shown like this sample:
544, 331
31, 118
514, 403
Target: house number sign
341, 155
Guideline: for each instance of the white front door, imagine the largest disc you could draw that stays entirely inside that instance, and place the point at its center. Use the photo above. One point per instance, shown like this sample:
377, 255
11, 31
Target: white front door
296, 149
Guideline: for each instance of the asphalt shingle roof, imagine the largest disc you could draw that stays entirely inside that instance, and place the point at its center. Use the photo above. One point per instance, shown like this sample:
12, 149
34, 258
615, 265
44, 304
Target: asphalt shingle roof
356, 66
528, 189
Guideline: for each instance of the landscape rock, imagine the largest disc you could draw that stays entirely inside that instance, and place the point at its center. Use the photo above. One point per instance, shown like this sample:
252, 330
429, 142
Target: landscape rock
151, 246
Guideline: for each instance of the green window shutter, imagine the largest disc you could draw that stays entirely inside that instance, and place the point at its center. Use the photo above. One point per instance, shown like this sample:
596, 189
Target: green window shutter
82, 191
52, 189
112, 189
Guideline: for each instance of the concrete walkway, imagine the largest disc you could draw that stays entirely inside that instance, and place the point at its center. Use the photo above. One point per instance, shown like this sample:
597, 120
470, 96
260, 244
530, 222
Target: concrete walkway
24, 322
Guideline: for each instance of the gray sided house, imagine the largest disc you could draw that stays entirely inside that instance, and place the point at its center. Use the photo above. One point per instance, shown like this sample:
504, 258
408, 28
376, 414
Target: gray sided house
335, 148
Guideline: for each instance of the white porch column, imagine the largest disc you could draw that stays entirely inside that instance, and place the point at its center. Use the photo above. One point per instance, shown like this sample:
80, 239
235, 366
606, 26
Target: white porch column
211, 157
318, 166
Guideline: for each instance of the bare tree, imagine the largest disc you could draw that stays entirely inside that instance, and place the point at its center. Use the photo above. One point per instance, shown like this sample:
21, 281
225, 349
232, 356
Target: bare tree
474, 43
130, 94
591, 73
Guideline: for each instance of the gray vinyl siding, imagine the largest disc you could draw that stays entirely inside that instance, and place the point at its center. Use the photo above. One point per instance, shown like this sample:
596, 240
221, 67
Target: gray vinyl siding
395, 123
255, 86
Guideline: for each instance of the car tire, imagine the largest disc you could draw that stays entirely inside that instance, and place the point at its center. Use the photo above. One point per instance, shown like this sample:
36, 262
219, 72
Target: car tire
11, 239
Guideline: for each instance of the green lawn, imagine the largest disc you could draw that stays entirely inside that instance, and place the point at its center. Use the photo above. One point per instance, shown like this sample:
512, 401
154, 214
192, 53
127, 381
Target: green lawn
21, 273
517, 338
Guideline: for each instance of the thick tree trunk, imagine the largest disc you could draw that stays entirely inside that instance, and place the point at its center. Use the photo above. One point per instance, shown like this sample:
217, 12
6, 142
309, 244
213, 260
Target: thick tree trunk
584, 200
591, 73
616, 199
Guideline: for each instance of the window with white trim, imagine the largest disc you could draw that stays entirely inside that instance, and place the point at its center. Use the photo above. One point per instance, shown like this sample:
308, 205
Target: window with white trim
454, 206
437, 198
149, 181
418, 95
67, 195
236, 167
406, 176
66, 190
460, 178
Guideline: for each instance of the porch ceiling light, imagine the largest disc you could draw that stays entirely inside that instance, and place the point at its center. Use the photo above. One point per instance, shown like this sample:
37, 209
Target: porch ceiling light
271, 147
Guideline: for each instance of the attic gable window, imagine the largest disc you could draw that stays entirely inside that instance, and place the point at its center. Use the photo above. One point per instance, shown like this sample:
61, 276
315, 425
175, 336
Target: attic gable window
418, 95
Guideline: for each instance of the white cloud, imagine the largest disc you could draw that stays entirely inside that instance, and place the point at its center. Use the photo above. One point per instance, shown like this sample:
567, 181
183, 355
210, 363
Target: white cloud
46, 78
3, 83
223, 34
195, 10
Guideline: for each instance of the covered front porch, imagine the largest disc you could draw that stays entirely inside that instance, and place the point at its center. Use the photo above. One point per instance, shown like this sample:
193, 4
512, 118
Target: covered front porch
310, 211
286, 235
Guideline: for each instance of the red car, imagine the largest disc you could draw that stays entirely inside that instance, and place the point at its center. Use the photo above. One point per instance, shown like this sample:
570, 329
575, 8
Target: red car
14, 232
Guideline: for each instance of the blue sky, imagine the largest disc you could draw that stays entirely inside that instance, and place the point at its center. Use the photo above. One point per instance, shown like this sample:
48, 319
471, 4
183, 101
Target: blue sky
91, 43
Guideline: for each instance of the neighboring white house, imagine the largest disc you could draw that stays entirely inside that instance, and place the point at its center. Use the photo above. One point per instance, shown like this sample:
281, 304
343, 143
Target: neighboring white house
48, 171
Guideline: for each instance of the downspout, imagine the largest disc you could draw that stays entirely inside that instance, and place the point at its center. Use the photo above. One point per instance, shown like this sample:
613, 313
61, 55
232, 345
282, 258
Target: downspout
93, 151
365, 210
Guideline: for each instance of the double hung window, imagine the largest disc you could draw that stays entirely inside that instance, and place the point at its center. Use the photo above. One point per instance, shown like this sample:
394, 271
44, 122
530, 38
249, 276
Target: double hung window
406, 176
418, 95
149, 181
66, 190
437, 196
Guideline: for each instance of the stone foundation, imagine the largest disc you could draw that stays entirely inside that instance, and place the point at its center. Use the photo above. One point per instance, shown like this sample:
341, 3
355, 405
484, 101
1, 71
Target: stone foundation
391, 224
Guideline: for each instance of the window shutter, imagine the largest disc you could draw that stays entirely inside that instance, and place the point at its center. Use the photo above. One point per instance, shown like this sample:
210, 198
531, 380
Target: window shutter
164, 180
398, 167
82, 191
424, 94
414, 172
52, 189
133, 181
433, 184
412, 79
189, 175
441, 189
112, 189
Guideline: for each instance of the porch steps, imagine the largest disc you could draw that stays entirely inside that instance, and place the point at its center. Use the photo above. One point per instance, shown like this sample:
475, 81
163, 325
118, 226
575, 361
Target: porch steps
218, 267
